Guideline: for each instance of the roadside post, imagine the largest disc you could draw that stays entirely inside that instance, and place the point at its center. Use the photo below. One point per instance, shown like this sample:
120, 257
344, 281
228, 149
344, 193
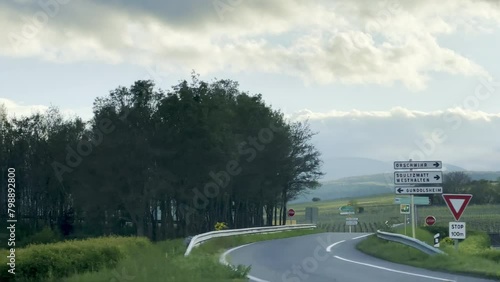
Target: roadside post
405, 182
456, 204
291, 213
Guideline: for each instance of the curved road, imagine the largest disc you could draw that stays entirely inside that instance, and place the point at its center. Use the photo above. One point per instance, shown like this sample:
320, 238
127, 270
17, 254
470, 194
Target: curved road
326, 257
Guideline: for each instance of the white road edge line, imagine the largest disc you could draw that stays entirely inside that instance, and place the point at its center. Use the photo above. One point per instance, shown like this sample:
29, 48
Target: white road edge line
393, 270
223, 260
329, 248
361, 236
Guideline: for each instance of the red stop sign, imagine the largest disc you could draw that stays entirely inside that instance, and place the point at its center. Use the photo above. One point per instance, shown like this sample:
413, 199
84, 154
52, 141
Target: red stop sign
291, 212
430, 220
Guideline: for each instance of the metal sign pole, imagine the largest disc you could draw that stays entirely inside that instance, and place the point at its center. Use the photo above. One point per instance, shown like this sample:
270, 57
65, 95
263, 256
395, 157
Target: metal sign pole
406, 219
413, 216
412, 212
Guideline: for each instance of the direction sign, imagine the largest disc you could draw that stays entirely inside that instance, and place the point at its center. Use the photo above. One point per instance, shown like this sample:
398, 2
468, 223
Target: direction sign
418, 165
430, 220
457, 203
419, 201
418, 177
405, 190
346, 210
291, 212
351, 221
456, 230
404, 209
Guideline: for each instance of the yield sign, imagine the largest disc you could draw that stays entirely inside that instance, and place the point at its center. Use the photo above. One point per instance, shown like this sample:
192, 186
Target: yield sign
457, 203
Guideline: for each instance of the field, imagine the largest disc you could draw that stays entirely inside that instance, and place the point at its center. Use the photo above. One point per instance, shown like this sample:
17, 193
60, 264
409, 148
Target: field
381, 209
474, 256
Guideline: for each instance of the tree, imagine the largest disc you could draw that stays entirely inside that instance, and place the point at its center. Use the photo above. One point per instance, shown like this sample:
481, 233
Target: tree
316, 199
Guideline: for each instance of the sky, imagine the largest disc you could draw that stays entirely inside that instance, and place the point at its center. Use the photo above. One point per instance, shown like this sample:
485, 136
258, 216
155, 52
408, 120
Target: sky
384, 80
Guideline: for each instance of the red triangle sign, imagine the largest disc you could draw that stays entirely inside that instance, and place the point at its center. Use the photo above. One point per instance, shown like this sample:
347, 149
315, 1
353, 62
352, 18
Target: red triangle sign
457, 203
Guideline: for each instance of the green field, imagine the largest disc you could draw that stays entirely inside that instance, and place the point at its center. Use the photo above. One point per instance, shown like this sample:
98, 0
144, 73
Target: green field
474, 255
379, 209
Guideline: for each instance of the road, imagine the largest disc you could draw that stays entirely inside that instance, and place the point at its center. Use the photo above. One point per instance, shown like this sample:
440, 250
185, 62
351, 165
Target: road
326, 257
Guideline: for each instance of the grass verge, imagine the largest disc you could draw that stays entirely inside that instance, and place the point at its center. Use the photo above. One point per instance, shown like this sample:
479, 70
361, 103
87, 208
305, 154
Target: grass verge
165, 261
473, 257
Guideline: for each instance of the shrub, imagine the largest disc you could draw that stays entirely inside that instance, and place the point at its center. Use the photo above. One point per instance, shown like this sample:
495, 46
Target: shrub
45, 236
447, 241
220, 226
490, 254
58, 260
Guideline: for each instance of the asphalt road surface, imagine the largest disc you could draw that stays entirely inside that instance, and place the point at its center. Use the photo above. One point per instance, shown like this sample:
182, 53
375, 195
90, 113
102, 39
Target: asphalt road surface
326, 257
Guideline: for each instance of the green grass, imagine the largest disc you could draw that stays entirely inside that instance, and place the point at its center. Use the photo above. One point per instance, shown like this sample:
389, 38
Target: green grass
473, 257
165, 261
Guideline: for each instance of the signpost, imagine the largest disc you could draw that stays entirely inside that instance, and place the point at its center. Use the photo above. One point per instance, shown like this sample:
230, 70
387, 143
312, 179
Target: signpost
418, 177
291, 213
457, 230
421, 201
347, 210
418, 190
404, 209
457, 204
430, 220
414, 175
418, 165
351, 221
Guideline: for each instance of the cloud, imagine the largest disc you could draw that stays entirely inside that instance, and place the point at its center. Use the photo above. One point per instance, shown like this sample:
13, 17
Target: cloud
462, 137
351, 42
21, 109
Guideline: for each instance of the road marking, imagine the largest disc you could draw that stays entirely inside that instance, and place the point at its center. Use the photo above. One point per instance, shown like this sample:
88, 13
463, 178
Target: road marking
223, 260
393, 270
361, 236
329, 248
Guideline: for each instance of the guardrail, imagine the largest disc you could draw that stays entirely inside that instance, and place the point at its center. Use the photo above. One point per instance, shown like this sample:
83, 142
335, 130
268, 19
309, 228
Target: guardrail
200, 238
408, 241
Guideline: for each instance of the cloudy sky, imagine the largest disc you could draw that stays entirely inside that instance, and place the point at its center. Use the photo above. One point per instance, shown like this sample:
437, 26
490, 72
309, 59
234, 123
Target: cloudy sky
385, 80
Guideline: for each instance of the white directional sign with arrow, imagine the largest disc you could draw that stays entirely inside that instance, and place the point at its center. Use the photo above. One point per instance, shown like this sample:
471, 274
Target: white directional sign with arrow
405, 190
418, 177
418, 165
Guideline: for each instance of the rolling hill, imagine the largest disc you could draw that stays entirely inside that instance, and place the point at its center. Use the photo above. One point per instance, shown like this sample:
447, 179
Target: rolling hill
370, 185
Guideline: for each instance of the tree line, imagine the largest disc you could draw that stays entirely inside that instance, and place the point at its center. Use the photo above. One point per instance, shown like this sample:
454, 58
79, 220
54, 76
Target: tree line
458, 182
156, 163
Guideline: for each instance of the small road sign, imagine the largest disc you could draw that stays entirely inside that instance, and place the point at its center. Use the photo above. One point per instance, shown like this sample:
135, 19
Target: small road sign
457, 203
430, 220
346, 210
418, 165
404, 209
419, 201
418, 177
351, 221
405, 190
457, 230
291, 212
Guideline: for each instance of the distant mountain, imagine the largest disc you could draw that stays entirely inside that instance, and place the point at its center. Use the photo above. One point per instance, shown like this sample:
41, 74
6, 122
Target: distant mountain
375, 184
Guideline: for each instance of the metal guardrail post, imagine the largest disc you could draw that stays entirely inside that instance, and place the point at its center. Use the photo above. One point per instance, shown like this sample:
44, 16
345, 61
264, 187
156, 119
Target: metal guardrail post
408, 241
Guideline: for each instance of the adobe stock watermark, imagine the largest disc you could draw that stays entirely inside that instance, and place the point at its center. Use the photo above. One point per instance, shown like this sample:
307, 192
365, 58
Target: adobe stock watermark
224, 6
222, 178
84, 147
426, 147
34, 24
